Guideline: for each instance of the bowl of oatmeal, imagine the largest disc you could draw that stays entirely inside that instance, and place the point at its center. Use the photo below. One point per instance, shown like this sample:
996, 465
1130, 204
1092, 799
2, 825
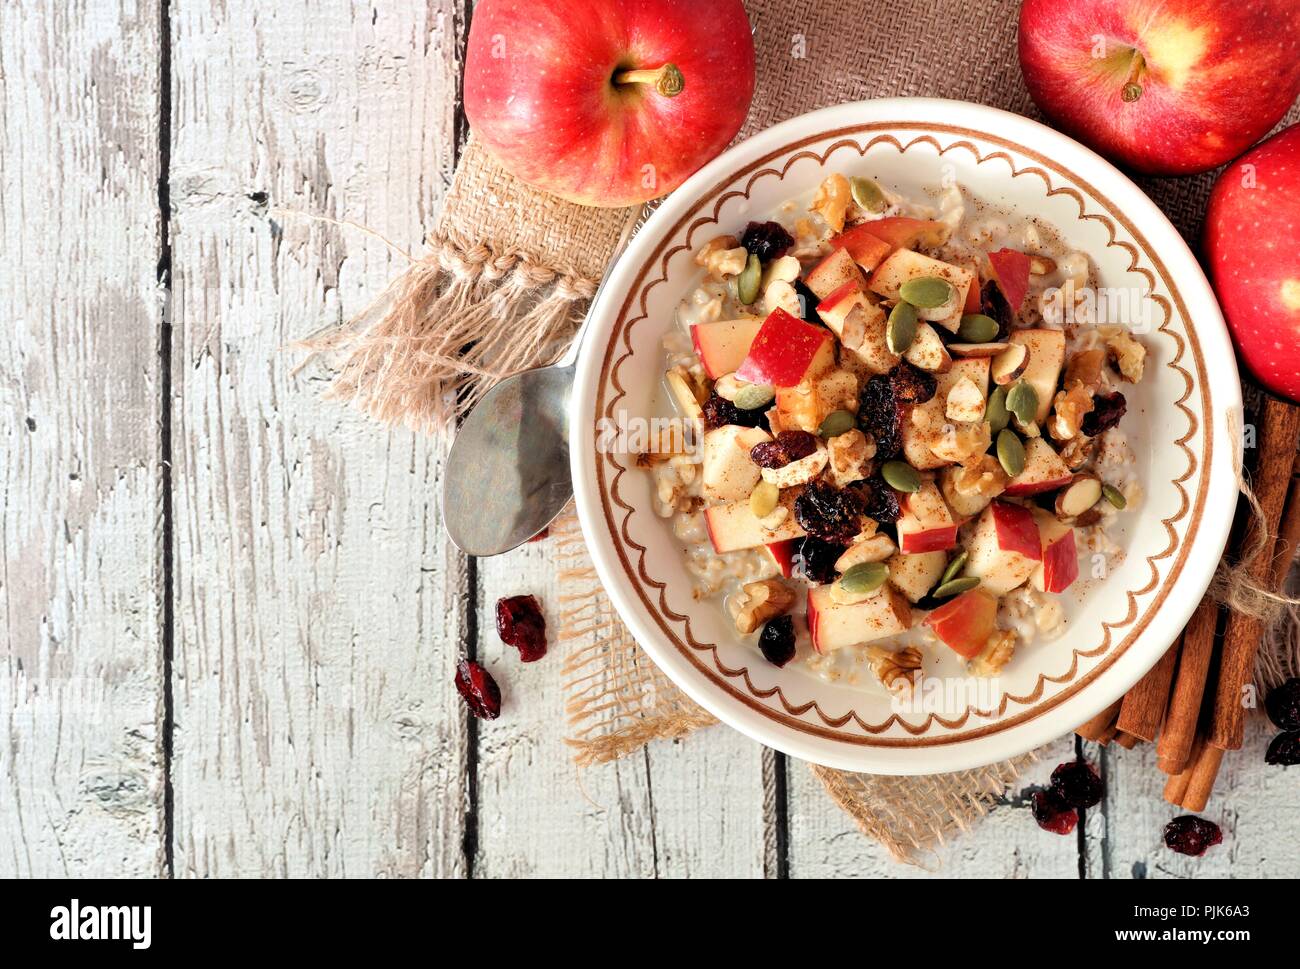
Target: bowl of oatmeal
902, 437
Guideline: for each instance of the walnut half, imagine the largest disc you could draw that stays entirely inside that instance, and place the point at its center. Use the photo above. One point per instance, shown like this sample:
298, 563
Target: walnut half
898, 671
763, 601
997, 653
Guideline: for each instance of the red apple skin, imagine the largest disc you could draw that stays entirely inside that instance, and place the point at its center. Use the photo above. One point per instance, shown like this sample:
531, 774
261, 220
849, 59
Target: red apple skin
782, 554
1060, 564
1251, 232
839, 296
965, 624
783, 350
1011, 270
867, 249
1016, 530
1036, 488
540, 95
1218, 75
931, 540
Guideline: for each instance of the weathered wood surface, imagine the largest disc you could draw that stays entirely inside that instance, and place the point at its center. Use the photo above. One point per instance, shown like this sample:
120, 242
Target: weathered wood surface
317, 611
81, 652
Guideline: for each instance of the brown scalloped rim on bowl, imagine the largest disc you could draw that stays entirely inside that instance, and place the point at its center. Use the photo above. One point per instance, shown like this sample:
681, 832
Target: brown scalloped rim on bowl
1115, 631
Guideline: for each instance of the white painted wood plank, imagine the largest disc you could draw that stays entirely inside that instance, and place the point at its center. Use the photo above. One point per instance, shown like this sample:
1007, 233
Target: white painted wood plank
81, 653
692, 808
825, 843
318, 604
1257, 806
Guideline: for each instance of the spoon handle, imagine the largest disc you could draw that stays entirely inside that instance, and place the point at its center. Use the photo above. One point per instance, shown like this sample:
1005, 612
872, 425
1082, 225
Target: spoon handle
635, 221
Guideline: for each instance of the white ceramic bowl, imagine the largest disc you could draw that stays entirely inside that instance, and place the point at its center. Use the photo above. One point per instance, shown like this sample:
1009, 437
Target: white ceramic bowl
1178, 423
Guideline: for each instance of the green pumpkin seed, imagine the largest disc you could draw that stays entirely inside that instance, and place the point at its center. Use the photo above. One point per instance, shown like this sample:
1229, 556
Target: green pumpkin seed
995, 412
1114, 496
1022, 400
753, 396
748, 281
927, 292
837, 422
1011, 453
867, 194
977, 328
953, 568
901, 329
864, 577
763, 499
956, 587
901, 476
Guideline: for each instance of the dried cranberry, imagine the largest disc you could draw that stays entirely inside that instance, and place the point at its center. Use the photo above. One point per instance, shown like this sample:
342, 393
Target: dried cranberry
1107, 409
777, 640
788, 446
520, 624
718, 411
767, 240
480, 691
995, 306
1283, 704
880, 416
829, 513
1053, 813
1284, 751
912, 385
881, 501
1078, 784
815, 560
1190, 835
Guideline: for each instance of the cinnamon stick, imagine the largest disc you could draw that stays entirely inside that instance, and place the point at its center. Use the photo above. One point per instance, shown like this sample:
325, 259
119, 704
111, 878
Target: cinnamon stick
1279, 427
1144, 706
1288, 530
1176, 786
1174, 751
1203, 773
1127, 740
1095, 728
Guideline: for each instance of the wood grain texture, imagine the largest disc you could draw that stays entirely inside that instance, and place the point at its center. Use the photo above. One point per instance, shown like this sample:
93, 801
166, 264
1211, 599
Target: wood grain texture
318, 604
688, 809
81, 776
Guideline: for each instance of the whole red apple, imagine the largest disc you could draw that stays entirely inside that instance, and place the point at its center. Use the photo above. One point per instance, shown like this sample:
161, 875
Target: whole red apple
1166, 88
607, 102
1252, 243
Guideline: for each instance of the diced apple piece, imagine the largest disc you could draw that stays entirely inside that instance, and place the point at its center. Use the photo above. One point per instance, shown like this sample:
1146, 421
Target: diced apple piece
927, 350
904, 233
834, 626
925, 424
836, 307
965, 402
877, 548
904, 265
833, 272
926, 524
1011, 273
786, 350
723, 344
729, 474
1060, 565
974, 301
804, 406
1044, 471
1043, 369
872, 350
1004, 549
733, 526
866, 248
978, 349
965, 623
915, 575
782, 555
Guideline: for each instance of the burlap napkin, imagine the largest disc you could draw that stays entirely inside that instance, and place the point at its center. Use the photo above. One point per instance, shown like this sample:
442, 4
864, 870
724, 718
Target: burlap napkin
507, 277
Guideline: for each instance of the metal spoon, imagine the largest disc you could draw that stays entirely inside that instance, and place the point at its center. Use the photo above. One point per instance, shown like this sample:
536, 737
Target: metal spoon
507, 475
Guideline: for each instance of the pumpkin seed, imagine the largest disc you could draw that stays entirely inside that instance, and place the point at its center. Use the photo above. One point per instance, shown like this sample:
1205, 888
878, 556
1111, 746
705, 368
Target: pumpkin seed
953, 568
977, 328
837, 422
763, 499
995, 412
1011, 453
901, 329
864, 577
956, 587
753, 396
748, 281
1114, 496
1022, 400
927, 292
901, 476
867, 194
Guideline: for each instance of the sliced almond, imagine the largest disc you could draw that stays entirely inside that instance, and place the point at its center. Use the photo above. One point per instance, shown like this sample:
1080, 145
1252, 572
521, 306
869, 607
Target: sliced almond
977, 350
1007, 366
927, 351
965, 402
1078, 497
877, 548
